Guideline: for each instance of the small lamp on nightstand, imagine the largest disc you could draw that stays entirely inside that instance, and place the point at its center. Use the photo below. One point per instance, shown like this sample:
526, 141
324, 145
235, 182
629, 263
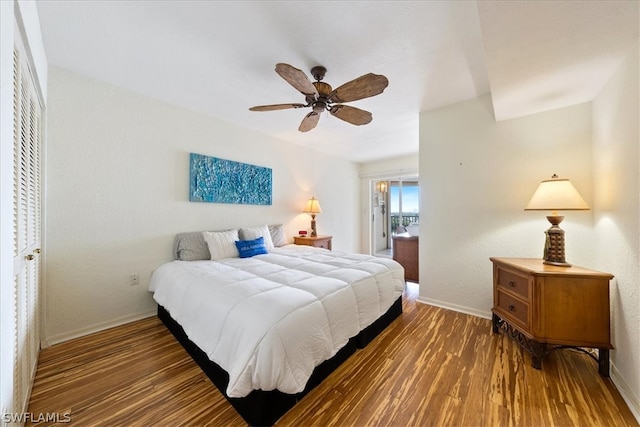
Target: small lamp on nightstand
313, 207
555, 195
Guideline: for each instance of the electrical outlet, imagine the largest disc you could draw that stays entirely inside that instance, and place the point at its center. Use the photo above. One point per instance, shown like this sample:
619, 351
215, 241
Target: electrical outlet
134, 280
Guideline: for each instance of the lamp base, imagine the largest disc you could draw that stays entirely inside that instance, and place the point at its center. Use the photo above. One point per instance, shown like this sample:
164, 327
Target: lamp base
557, 264
313, 226
554, 243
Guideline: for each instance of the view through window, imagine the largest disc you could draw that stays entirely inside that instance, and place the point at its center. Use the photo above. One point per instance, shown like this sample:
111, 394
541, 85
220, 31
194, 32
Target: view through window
404, 204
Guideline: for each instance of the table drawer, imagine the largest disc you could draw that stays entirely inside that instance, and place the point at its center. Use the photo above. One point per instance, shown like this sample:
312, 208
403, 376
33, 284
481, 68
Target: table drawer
318, 242
515, 309
514, 282
321, 244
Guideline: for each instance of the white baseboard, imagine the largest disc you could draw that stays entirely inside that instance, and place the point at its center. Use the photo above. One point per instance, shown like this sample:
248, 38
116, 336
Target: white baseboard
455, 307
56, 339
633, 402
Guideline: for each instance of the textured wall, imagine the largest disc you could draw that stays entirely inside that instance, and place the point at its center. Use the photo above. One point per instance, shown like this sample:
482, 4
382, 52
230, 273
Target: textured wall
476, 177
616, 154
117, 178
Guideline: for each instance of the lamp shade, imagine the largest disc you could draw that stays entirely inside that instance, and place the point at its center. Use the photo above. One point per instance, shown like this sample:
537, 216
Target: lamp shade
556, 194
312, 206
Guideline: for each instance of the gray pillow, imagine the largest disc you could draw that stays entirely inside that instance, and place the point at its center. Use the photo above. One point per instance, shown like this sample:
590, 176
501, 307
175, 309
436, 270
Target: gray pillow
190, 246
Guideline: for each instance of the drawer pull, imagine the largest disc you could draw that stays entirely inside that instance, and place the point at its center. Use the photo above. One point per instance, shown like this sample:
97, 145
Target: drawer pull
512, 308
512, 284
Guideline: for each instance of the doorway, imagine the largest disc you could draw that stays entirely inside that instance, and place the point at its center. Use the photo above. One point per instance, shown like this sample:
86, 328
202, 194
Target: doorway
396, 205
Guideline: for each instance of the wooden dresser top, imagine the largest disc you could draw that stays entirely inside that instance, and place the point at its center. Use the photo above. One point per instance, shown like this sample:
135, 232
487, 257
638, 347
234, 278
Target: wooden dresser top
536, 267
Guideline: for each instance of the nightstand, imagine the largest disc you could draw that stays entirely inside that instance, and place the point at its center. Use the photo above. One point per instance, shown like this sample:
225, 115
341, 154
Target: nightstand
545, 307
318, 241
405, 251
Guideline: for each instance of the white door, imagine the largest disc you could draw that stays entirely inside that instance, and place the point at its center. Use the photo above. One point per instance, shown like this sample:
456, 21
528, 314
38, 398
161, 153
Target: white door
27, 235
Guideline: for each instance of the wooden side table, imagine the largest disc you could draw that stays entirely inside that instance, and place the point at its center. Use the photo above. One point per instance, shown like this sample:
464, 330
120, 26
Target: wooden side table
405, 251
318, 241
545, 307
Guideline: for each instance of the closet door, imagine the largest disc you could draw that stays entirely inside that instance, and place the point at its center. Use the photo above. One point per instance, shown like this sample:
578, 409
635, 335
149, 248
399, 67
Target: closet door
27, 231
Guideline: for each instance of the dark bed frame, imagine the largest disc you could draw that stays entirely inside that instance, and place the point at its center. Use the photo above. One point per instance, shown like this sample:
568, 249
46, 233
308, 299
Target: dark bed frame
264, 408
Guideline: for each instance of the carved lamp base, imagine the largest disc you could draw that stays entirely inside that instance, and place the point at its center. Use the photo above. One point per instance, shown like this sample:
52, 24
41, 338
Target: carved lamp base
554, 243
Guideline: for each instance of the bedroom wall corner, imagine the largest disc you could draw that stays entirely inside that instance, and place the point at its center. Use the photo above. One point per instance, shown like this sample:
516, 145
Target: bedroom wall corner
117, 193
475, 180
616, 156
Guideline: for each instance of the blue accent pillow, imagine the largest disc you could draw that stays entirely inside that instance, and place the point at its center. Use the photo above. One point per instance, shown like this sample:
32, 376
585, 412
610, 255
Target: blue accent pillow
249, 248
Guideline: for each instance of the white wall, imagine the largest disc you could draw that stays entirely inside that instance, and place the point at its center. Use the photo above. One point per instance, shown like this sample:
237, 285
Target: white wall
616, 154
476, 177
391, 167
117, 193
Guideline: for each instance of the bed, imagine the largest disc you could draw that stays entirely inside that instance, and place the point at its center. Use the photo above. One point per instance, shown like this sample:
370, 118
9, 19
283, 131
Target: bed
269, 327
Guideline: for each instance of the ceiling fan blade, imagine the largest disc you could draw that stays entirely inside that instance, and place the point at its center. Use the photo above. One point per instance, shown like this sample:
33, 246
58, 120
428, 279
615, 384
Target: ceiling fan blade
276, 107
298, 79
309, 122
362, 87
352, 115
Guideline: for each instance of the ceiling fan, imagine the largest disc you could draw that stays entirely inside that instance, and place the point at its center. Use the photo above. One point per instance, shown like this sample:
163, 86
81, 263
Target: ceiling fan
320, 96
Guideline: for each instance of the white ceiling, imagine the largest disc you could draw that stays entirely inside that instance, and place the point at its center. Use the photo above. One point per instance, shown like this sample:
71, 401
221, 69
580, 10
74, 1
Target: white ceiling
218, 57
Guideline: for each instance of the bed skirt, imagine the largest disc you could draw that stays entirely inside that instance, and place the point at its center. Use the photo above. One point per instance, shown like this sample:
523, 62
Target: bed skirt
264, 408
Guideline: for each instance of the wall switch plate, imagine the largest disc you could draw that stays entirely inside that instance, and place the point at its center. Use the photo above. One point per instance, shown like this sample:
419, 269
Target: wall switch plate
134, 280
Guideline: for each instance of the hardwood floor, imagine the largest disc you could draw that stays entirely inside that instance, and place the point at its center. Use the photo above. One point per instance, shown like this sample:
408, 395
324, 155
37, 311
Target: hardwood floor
431, 367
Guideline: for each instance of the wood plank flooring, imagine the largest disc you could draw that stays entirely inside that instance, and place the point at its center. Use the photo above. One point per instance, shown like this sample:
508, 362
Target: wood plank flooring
431, 367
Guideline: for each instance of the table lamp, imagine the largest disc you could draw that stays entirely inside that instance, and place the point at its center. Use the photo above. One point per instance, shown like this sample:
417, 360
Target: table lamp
556, 194
313, 207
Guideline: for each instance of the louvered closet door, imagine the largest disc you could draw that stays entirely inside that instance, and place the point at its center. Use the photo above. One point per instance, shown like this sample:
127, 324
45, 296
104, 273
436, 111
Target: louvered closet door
27, 235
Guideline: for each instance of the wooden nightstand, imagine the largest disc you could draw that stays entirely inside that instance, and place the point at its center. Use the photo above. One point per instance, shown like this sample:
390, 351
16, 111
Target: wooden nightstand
405, 251
318, 241
545, 307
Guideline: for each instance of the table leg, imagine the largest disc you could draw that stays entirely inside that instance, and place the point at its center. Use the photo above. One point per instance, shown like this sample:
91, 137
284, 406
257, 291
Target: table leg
603, 362
538, 351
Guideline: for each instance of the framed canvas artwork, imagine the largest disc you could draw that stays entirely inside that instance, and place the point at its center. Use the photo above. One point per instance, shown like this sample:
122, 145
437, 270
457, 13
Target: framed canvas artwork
215, 180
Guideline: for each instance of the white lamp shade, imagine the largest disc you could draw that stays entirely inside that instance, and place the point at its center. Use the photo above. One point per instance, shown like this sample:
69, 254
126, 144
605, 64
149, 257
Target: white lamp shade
556, 195
312, 206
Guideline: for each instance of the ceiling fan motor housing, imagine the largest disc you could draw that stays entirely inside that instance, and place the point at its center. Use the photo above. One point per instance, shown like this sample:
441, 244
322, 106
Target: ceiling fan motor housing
322, 103
324, 89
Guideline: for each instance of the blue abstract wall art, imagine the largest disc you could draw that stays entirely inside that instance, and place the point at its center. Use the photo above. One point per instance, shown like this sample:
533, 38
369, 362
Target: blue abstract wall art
215, 180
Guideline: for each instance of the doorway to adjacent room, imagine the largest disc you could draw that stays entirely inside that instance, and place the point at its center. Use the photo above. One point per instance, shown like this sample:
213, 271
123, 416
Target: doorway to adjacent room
395, 210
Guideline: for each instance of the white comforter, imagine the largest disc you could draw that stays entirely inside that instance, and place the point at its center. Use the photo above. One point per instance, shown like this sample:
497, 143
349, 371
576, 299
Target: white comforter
271, 319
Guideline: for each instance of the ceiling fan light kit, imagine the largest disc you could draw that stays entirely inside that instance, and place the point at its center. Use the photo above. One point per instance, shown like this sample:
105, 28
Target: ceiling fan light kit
321, 96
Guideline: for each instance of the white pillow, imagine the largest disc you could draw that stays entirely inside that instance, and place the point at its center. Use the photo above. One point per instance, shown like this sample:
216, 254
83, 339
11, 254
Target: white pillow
222, 244
252, 233
277, 235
